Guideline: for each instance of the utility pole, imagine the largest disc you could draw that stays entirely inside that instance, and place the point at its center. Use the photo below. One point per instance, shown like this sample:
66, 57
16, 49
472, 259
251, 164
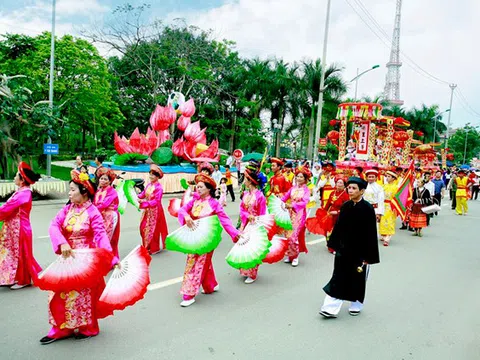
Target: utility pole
452, 86
322, 84
50, 90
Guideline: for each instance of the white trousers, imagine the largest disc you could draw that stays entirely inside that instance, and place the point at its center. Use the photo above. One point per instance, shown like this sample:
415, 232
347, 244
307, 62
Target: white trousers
333, 306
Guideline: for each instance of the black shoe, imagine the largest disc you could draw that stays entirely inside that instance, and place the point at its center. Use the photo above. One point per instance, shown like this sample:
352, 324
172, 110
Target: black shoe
327, 315
410, 229
353, 313
82, 337
403, 227
47, 340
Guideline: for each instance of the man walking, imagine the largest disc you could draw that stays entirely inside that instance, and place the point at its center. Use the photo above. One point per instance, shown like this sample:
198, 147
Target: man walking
354, 238
439, 188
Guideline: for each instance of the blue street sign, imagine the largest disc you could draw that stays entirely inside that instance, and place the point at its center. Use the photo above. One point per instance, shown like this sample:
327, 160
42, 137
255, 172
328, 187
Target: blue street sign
50, 149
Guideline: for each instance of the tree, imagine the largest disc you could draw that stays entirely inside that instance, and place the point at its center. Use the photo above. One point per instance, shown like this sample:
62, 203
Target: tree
465, 144
82, 88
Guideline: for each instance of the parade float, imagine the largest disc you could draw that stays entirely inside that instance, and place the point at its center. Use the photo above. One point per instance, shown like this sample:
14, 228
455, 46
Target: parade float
177, 157
377, 141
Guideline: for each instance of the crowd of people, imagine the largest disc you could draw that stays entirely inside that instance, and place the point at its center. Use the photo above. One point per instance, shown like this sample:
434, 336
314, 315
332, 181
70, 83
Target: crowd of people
91, 219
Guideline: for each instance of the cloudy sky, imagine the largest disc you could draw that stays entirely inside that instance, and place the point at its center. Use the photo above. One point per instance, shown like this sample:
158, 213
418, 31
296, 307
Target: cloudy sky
439, 37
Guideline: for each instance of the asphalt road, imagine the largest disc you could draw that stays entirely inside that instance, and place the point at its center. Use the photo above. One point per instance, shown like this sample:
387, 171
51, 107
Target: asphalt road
422, 303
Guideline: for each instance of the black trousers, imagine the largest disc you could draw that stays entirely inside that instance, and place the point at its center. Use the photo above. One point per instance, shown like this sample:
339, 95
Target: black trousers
230, 191
453, 194
475, 190
438, 200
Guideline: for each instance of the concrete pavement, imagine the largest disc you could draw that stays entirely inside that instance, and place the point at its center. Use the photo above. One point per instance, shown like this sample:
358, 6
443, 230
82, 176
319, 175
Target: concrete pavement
421, 303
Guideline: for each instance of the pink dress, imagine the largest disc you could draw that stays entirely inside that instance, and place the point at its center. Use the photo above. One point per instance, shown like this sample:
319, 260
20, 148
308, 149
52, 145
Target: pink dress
81, 226
17, 264
299, 196
153, 224
252, 204
106, 201
223, 195
199, 268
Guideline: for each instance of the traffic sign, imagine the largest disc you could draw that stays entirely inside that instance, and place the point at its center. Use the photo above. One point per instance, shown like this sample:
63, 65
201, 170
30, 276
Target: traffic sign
50, 149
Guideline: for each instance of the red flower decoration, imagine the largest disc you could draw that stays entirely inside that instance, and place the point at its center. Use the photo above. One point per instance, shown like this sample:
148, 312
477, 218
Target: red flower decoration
187, 109
162, 117
183, 122
400, 136
419, 133
194, 134
333, 122
333, 135
138, 143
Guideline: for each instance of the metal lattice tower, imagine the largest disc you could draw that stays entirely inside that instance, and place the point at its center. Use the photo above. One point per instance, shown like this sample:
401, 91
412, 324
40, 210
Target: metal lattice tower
392, 83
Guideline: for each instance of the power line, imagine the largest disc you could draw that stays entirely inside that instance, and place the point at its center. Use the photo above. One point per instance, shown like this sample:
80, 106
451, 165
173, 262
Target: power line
385, 39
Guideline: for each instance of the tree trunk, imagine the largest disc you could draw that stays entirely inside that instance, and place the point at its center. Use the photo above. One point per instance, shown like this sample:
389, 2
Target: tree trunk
311, 133
279, 133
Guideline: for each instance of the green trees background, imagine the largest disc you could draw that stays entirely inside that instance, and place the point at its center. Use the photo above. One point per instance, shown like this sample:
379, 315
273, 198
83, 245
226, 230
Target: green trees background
237, 98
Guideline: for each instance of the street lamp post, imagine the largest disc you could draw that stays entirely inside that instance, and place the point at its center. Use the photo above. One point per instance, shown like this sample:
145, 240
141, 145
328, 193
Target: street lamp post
322, 83
435, 123
360, 75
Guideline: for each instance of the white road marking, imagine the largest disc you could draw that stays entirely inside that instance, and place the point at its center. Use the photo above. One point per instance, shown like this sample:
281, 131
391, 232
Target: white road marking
44, 237
165, 283
162, 284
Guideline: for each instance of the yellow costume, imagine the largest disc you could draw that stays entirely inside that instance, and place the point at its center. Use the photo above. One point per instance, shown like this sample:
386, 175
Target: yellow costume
387, 223
461, 195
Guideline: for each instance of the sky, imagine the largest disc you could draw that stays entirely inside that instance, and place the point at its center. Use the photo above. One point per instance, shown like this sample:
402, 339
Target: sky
438, 38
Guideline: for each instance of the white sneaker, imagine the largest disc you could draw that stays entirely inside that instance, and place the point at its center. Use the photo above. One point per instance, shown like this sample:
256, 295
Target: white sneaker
295, 262
286, 260
215, 289
186, 303
249, 280
18, 287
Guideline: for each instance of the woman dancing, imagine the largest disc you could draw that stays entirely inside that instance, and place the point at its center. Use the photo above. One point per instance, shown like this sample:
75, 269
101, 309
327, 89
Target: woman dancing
387, 222
299, 196
17, 264
79, 225
253, 204
421, 197
153, 224
106, 201
199, 268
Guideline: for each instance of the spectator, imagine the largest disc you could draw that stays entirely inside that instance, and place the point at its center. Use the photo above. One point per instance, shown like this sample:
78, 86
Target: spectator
217, 174
475, 187
78, 163
230, 160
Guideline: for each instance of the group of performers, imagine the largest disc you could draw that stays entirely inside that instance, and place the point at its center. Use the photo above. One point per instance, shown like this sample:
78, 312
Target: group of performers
91, 220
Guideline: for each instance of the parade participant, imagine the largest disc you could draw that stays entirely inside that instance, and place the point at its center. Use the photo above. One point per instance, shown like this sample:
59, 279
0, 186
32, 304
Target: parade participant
326, 183
358, 171
421, 198
354, 239
106, 201
228, 176
316, 172
461, 194
439, 188
199, 269
278, 183
289, 175
387, 222
299, 196
17, 264
452, 188
153, 224
335, 201
430, 186
374, 193
99, 159
253, 204
78, 225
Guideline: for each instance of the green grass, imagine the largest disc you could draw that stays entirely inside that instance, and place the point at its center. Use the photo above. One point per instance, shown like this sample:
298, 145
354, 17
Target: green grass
58, 172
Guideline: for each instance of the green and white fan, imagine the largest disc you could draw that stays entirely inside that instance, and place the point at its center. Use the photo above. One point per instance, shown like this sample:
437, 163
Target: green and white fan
276, 207
204, 237
250, 249
122, 198
131, 193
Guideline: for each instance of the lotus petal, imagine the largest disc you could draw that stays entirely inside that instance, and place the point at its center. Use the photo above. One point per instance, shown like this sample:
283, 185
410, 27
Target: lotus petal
177, 148
194, 133
121, 145
183, 122
187, 108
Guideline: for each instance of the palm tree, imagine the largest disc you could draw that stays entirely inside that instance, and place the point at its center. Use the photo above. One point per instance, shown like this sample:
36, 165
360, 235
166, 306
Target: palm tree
423, 119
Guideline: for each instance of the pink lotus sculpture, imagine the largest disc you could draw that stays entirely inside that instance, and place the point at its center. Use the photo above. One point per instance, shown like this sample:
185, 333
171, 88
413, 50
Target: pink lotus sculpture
162, 117
137, 143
